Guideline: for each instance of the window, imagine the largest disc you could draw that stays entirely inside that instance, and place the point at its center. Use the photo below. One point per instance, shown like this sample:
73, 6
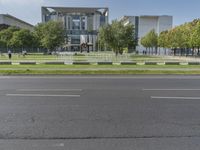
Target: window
83, 23
76, 22
102, 20
75, 39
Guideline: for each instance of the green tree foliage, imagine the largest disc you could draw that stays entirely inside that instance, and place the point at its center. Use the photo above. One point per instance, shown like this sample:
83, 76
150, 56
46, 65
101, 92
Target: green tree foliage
50, 34
195, 36
3, 26
117, 36
2, 44
22, 39
153, 38
183, 38
163, 39
47, 35
150, 40
6, 35
145, 42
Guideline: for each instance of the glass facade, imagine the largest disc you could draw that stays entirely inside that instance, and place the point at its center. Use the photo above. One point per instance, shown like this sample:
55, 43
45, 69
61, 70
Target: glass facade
75, 39
76, 22
79, 23
83, 23
102, 20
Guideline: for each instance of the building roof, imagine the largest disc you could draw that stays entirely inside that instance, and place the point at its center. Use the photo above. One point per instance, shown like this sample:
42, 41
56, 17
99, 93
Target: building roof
103, 10
155, 16
14, 18
146, 16
124, 18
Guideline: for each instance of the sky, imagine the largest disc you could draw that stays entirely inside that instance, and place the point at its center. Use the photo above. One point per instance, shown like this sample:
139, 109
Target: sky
181, 10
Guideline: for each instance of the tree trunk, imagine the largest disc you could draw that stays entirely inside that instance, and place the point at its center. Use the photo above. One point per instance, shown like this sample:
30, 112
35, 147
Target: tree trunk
186, 51
181, 51
116, 53
193, 51
156, 49
175, 52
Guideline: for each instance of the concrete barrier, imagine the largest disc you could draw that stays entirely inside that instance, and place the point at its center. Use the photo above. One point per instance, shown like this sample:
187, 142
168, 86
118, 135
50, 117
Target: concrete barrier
193, 63
150, 63
27, 63
104, 63
5, 63
172, 63
128, 63
54, 63
81, 63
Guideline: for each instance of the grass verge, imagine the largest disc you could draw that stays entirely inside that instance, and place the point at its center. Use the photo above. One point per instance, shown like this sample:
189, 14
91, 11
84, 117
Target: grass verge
44, 66
95, 72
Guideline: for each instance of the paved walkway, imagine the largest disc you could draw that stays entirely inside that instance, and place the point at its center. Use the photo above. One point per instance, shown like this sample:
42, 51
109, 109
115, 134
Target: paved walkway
183, 58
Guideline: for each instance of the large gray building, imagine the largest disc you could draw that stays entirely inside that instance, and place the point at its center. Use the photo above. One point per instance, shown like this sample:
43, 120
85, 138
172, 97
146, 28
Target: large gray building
144, 24
7, 20
81, 24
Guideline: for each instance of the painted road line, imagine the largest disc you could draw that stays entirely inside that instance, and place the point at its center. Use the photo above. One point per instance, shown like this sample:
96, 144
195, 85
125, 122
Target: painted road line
171, 89
182, 98
58, 145
40, 95
49, 90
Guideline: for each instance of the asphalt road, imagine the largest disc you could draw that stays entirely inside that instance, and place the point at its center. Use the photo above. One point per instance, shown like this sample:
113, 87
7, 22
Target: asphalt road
100, 112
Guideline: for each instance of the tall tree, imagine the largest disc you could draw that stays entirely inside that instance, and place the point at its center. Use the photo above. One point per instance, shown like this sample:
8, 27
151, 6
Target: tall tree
163, 40
51, 34
2, 44
195, 37
118, 36
150, 40
7, 34
153, 38
22, 39
145, 42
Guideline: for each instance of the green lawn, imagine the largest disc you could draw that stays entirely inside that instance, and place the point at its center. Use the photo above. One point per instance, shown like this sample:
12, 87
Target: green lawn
43, 66
93, 72
98, 69
95, 69
91, 57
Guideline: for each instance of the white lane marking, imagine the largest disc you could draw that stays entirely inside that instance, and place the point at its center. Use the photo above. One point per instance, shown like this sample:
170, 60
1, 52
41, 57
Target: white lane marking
50, 90
59, 145
40, 95
171, 89
183, 98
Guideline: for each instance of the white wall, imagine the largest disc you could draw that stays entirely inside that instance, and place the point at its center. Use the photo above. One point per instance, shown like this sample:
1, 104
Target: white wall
147, 23
83, 39
96, 22
164, 23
